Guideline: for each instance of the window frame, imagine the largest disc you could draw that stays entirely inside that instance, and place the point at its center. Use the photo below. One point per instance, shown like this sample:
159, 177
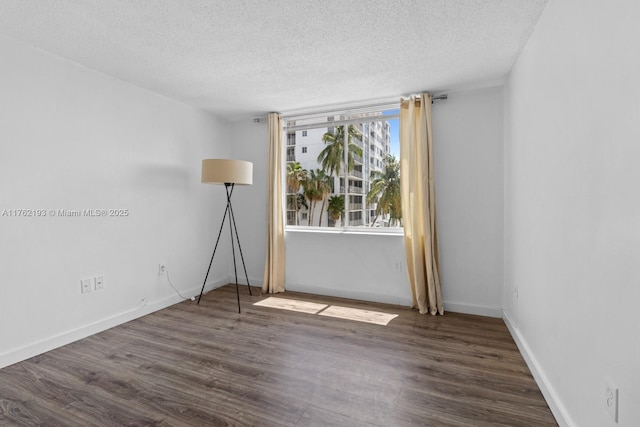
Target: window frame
327, 120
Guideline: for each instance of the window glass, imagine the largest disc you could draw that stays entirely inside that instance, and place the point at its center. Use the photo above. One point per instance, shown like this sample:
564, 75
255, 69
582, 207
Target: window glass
349, 175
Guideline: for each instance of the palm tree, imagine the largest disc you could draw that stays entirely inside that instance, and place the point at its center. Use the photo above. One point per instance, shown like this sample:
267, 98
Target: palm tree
302, 201
385, 190
295, 176
336, 208
325, 187
312, 190
332, 156
297, 202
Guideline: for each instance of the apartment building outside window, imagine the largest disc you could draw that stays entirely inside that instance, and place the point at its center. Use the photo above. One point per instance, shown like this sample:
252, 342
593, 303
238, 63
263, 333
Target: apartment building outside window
347, 174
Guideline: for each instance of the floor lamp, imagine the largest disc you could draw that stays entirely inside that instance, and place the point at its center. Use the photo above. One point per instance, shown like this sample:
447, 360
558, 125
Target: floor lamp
230, 173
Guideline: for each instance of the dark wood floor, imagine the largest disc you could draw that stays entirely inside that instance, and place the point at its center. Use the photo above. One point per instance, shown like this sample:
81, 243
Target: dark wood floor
207, 365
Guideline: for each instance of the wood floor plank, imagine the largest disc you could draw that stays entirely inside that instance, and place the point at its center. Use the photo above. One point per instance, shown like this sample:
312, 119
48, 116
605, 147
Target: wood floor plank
207, 365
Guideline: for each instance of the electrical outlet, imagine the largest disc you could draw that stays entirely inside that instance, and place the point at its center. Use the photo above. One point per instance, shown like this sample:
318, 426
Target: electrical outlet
98, 283
161, 269
611, 399
85, 286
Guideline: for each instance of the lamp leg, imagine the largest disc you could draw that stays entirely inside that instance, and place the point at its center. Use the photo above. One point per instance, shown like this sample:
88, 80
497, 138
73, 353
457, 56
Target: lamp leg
214, 251
233, 219
229, 209
233, 247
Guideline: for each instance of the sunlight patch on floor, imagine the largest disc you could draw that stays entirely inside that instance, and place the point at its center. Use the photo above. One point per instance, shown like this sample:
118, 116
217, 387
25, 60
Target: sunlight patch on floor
358, 315
292, 304
376, 317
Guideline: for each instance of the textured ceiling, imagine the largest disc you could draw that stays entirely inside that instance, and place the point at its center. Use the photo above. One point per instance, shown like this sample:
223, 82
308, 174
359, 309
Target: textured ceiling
239, 58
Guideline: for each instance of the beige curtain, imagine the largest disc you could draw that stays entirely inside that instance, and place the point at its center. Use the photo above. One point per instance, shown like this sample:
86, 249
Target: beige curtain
419, 204
274, 269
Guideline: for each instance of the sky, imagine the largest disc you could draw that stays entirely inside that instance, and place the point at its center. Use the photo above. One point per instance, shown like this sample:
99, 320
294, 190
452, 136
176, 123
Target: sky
395, 137
394, 133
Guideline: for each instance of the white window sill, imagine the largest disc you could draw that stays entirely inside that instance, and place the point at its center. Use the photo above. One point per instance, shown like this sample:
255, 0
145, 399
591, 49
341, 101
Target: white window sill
370, 231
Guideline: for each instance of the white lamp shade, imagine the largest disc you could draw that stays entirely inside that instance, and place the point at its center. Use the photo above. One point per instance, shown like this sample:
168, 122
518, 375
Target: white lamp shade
221, 171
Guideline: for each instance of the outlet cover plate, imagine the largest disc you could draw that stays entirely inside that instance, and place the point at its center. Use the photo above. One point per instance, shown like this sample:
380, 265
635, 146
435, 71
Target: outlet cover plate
98, 283
611, 399
85, 286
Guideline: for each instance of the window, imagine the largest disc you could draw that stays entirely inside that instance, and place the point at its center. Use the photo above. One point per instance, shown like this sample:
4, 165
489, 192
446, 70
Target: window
371, 196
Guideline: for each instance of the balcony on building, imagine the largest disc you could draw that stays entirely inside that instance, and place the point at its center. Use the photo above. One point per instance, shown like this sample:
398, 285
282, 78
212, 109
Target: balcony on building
356, 173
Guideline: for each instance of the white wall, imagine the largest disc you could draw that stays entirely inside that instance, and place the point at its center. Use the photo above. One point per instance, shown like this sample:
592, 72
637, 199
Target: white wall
249, 142
72, 138
572, 212
468, 136
348, 265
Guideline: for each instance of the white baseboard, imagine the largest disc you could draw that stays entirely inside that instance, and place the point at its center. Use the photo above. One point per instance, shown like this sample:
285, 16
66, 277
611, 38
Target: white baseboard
50, 343
254, 282
555, 404
351, 294
404, 300
478, 310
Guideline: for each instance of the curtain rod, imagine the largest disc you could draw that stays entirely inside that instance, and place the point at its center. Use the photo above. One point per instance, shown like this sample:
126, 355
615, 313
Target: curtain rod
260, 119
435, 98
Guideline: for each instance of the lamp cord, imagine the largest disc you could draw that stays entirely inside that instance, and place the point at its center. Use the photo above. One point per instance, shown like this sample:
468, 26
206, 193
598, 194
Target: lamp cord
166, 270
